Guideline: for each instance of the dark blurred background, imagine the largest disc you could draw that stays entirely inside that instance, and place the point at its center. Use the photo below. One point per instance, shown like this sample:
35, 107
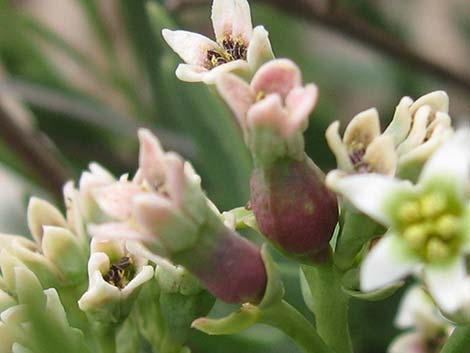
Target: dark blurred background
78, 77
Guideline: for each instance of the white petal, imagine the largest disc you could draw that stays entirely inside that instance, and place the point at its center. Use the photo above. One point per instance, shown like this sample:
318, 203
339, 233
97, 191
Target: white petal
418, 131
145, 274
401, 123
438, 101
259, 50
338, 147
451, 161
238, 67
231, 17
408, 343
191, 47
364, 127
445, 283
114, 231
369, 192
417, 310
381, 156
191, 73
237, 94
387, 262
115, 199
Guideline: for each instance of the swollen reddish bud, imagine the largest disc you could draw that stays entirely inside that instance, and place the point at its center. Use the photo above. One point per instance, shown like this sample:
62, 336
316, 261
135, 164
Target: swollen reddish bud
294, 209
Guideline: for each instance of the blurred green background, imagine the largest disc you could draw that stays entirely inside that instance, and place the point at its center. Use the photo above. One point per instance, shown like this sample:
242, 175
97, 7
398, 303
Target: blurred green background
78, 77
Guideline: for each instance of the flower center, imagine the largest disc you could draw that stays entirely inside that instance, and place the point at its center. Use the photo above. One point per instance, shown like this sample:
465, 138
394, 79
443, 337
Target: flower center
357, 151
120, 273
432, 230
230, 49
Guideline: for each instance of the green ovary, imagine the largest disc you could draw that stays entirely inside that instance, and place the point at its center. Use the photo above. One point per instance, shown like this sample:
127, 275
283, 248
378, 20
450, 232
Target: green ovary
432, 226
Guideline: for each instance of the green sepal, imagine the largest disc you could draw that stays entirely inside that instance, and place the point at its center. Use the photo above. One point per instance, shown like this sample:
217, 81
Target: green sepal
356, 230
62, 247
350, 285
244, 218
245, 317
274, 288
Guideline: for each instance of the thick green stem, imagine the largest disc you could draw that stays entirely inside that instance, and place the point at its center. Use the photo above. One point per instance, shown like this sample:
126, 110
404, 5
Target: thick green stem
106, 338
330, 305
286, 318
459, 341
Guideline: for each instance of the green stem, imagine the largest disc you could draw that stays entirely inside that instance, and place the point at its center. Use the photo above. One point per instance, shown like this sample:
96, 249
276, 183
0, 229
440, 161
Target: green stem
330, 305
459, 341
107, 340
286, 318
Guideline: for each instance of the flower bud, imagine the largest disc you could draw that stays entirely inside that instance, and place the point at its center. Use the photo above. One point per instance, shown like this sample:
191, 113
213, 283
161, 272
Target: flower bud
294, 209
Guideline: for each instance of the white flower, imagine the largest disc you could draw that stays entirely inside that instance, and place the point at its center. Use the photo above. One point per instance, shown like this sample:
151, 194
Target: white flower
428, 330
363, 149
428, 222
238, 47
115, 277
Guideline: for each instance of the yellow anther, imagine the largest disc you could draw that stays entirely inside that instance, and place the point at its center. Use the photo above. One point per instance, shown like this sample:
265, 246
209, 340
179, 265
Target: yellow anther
433, 205
416, 235
260, 95
410, 212
447, 226
437, 250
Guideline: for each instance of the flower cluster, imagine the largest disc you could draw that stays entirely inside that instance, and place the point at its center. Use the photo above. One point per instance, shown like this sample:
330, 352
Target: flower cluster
147, 256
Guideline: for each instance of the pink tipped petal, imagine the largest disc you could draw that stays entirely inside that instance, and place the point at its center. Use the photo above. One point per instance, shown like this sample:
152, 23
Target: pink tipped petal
191, 73
231, 17
176, 179
114, 231
237, 94
259, 50
387, 262
151, 210
268, 112
363, 128
191, 47
451, 161
369, 193
151, 158
277, 76
444, 282
115, 199
300, 103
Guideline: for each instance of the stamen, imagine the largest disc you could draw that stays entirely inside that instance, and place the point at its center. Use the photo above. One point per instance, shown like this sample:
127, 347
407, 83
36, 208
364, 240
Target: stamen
120, 273
230, 50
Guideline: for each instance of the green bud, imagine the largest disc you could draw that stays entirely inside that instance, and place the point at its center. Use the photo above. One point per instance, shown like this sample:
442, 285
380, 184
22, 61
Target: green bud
433, 205
416, 235
410, 212
437, 250
447, 226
